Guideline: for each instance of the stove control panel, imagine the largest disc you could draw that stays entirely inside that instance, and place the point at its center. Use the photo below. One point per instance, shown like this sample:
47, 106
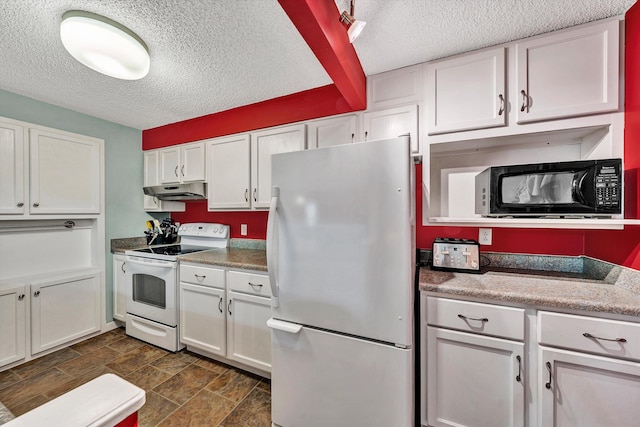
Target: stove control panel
456, 255
204, 229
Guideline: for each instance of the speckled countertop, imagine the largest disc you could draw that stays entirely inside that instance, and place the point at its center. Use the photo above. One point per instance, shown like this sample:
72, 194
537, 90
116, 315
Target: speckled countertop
619, 294
245, 254
232, 257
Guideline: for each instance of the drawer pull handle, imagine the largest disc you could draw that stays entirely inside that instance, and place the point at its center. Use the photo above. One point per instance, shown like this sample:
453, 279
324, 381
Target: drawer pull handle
255, 285
199, 277
479, 319
229, 307
518, 377
220, 305
548, 384
588, 335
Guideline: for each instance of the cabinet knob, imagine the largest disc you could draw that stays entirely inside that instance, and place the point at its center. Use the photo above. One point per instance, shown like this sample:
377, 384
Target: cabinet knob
20, 204
122, 267
199, 277
220, 305
20, 297
182, 170
366, 133
36, 204
246, 195
176, 171
229, 307
255, 285
501, 105
36, 293
519, 376
255, 194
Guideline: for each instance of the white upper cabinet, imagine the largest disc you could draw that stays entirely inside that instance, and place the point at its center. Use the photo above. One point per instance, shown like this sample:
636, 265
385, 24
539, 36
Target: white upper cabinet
391, 123
239, 166
13, 153
332, 131
229, 172
65, 173
264, 144
395, 87
53, 172
568, 73
182, 163
151, 178
467, 92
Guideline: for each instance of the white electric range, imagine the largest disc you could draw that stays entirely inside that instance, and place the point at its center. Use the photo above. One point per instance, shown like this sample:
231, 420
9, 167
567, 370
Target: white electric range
152, 278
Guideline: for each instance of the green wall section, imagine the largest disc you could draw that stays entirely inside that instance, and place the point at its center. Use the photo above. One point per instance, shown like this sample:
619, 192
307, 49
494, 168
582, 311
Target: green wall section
125, 215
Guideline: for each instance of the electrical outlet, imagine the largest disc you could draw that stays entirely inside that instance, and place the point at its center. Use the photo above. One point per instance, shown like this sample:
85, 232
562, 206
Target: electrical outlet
243, 229
484, 236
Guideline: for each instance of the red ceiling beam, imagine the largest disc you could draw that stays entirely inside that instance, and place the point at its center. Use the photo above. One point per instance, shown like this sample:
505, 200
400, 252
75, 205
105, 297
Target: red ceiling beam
318, 21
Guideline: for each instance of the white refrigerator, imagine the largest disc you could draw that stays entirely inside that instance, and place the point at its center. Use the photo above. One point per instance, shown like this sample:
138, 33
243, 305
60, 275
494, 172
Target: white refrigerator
341, 259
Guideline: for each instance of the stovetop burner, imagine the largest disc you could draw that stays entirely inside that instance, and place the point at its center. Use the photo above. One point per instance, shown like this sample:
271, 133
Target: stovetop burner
172, 250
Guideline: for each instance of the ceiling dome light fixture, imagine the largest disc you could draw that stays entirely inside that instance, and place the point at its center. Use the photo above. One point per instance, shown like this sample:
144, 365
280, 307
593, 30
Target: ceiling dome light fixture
354, 26
104, 45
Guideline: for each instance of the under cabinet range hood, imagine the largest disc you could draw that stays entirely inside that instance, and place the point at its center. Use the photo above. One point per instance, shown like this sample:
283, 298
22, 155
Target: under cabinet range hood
177, 192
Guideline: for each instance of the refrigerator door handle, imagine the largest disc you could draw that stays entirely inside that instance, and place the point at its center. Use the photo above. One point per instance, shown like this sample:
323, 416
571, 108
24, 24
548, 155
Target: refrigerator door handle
271, 255
279, 325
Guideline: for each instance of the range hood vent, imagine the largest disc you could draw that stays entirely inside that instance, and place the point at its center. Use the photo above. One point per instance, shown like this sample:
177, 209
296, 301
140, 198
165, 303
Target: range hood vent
177, 192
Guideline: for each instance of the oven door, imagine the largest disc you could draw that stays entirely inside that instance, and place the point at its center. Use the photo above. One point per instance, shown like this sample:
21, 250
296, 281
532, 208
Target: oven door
152, 289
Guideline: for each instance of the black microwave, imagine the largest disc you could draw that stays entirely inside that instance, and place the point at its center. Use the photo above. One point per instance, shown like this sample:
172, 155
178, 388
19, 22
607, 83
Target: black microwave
590, 188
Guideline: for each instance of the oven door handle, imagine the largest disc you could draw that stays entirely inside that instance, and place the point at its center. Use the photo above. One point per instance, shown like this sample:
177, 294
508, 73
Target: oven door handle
153, 263
272, 260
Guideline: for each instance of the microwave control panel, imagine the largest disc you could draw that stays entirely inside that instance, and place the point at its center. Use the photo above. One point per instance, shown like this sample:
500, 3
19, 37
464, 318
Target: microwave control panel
608, 188
456, 255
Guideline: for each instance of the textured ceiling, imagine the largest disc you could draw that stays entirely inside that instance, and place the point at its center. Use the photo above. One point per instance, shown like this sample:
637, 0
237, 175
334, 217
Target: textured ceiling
212, 55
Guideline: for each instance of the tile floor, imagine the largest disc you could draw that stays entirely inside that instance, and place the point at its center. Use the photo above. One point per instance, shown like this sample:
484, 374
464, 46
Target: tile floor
182, 389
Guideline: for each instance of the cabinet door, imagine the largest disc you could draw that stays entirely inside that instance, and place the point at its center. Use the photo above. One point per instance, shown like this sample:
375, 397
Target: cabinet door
65, 174
392, 123
334, 131
228, 173
203, 318
119, 290
192, 162
467, 92
577, 389
151, 176
12, 167
263, 145
474, 380
568, 74
169, 162
63, 310
12, 325
249, 338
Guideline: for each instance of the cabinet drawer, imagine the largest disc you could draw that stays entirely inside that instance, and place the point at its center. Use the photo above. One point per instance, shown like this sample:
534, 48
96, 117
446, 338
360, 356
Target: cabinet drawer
486, 319
249, 283
213, 277
590, 334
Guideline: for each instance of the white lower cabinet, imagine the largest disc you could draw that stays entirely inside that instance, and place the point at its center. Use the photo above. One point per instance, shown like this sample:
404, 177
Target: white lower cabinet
63, 309
578, 389
223, 314
13, 322
480, 367
248, 337
119, 288
202, 318
473, 379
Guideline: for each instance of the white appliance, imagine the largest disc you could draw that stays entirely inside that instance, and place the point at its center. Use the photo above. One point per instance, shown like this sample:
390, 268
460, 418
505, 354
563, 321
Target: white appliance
341, 259
152, 283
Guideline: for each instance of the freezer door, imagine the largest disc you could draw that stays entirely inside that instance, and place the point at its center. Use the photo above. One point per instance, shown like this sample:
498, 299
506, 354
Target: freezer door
322, 379
342, 239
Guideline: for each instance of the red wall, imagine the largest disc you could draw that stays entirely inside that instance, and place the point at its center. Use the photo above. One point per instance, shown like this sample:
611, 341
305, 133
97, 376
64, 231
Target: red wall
617, 246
